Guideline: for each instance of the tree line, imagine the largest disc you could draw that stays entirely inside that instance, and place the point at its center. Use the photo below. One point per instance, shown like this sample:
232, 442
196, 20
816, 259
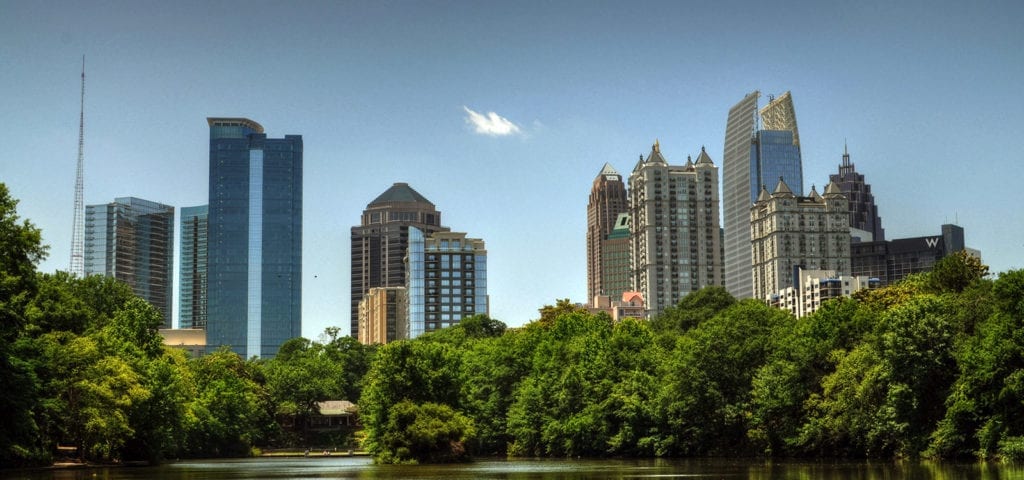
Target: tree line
930, 367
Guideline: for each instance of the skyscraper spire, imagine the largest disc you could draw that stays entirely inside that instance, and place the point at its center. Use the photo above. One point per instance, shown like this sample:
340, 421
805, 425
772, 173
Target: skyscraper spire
78, 227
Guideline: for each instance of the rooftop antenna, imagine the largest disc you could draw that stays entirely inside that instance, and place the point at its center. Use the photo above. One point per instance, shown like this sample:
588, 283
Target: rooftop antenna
78, 227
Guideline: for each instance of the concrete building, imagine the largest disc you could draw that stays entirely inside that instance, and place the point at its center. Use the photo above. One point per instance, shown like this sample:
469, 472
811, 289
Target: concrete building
814, 287
789, 231
254, 285
863, 211
608, 200
381, 241
755, 155
674, 228
893, 260
446, 276
192, 276
384, 315
629, 305
132, 240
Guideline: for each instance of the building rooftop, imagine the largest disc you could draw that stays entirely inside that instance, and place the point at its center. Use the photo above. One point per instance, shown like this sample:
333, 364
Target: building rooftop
400, 192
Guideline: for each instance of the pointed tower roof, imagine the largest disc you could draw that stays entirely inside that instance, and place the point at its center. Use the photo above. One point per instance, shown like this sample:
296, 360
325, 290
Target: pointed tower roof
608, 170
689, 162
400, 192
814, 194
655, 155
832, 189
782, 189
704, 158
639, 163
763, 196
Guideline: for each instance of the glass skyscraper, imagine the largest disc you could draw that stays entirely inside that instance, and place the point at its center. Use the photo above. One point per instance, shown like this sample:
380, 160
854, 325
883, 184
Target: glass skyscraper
446, 277
760, 147
192, 272
254, 285
132, 240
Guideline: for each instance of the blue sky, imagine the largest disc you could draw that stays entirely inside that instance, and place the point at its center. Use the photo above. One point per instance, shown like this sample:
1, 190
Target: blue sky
926, 95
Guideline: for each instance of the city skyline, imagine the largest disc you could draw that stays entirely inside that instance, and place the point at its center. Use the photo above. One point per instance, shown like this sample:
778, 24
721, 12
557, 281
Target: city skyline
501, 114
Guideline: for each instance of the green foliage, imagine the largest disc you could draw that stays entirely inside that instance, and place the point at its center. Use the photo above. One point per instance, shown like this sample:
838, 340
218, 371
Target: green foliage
693, 309
956, 272
416, 371
231, 411
424, 432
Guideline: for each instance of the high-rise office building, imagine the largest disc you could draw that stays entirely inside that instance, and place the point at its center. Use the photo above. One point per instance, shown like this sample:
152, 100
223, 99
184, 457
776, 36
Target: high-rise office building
132, 240
616, 268
674, 228
608, 199
192, 272
863, 211
790, 231
446, 278
755, 156
381, 241
254, 283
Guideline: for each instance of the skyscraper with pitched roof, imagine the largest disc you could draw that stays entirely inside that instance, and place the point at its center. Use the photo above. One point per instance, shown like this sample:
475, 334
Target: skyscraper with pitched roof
674, 228
863, 211
608, 199
381, 240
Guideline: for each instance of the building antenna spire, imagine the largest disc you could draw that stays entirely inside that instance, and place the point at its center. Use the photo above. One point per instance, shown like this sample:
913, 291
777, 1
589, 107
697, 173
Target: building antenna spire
78, 226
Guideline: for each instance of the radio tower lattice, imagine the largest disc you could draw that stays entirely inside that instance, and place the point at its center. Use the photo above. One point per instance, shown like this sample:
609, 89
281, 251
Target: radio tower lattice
78, 228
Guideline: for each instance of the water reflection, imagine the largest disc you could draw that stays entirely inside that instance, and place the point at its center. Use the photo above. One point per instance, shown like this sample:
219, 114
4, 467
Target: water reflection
362, 468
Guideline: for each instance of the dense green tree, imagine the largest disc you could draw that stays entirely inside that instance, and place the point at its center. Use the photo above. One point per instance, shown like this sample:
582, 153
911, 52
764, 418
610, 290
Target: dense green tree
230, 412
301, 376
21, 249
984, 404
424, 432
415, 371
956, 272
881, 399
693, 309
707, 380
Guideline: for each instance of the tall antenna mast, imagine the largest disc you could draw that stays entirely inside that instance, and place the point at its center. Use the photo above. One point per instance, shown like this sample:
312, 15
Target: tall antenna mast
78, 227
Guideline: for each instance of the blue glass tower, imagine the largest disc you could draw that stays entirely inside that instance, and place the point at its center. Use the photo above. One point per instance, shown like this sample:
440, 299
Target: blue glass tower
774, 155
254, 287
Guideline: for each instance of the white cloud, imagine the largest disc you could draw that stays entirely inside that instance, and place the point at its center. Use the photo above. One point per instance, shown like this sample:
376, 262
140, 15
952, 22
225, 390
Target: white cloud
491, 124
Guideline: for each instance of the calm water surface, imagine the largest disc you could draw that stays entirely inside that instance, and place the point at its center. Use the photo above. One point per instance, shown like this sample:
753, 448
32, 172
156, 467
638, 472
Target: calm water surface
363, 468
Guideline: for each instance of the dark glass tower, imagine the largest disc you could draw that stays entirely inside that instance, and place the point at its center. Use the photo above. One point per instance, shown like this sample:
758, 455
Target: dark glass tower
381, 241
132, 240
863, 211
254, 289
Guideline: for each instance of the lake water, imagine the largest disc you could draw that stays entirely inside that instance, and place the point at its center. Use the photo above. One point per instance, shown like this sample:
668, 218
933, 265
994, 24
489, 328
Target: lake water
363, 468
